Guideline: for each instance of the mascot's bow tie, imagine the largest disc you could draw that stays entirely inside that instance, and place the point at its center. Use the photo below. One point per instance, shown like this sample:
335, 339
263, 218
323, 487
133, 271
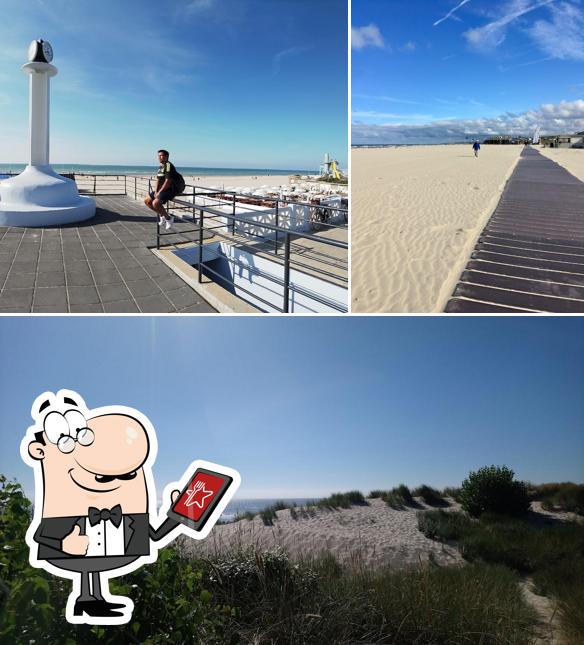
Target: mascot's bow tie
115, 515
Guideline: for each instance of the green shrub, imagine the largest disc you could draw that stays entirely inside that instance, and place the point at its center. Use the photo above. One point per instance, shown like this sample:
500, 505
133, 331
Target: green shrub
377, 494
493, 489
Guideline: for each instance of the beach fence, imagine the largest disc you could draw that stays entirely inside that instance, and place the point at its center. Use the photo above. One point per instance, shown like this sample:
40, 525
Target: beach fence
311, 270
308, 239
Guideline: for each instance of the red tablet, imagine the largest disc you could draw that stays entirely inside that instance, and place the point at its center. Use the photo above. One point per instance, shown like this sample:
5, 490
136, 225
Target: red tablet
199, 498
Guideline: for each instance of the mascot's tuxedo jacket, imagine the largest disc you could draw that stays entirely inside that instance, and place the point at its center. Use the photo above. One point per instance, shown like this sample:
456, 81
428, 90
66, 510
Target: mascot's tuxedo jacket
137, 534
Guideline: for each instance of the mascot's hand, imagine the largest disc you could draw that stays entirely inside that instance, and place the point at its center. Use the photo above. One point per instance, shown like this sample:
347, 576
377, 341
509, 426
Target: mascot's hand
75, 543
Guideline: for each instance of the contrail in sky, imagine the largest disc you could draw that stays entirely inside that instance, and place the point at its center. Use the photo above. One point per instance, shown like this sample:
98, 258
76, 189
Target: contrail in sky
450, 12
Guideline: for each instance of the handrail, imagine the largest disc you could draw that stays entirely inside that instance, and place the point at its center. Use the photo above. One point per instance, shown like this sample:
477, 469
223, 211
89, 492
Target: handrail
228, 198
233, 218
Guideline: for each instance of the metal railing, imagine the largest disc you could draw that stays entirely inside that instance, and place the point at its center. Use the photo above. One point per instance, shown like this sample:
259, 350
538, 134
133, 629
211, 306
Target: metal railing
210, 213
209, 204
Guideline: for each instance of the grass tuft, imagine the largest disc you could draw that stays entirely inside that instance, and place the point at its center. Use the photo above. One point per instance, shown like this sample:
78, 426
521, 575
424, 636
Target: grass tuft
430, 495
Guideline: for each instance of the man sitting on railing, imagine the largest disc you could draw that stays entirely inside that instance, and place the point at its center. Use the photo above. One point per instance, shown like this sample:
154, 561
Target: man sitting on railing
167, 187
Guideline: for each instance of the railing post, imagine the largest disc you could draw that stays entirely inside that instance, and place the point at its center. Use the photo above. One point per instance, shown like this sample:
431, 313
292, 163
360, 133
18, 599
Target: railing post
157, 231
94, 183
287, 273
201, 216
136, 188
125, 185
233, 220
194, 194
277, 224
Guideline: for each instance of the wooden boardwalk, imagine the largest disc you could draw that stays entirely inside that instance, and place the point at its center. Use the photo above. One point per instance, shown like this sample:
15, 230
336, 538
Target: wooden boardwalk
530, 255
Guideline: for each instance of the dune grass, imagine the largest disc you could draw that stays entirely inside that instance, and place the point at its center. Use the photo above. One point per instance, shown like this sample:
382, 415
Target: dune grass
401, 496
317, 601
453, 492
430, 495
552, 554
343, 500
269, 515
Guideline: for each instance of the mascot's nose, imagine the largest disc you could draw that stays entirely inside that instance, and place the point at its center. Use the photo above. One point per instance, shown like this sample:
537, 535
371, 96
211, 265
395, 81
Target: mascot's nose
120, 445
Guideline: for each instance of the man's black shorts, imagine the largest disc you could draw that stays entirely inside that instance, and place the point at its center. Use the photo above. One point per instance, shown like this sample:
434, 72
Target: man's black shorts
165, 195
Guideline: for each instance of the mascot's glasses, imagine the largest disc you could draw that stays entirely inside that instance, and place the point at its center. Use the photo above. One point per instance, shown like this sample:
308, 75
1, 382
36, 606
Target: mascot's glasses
66, 442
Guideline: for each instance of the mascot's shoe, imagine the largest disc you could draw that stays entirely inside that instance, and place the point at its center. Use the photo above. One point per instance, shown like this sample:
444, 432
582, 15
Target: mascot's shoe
111, 605
99, 608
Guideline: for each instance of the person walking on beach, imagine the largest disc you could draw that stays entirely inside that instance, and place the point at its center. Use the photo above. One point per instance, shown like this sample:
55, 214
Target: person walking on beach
476, 146
168, 186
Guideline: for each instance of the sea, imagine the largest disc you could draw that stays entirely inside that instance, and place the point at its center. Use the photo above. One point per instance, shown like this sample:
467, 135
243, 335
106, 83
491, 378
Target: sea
240, 506
148, 170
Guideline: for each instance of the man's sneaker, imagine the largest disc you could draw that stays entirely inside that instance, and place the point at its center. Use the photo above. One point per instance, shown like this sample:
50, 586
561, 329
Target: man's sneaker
169, 222
161, 219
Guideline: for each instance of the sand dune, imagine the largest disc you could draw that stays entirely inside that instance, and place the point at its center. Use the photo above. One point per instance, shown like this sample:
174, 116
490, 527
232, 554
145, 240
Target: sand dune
416, 214
370, 535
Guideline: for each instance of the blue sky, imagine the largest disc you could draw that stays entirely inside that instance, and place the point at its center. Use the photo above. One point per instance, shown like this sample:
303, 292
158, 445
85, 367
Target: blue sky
440, 70
220, 83
306, 406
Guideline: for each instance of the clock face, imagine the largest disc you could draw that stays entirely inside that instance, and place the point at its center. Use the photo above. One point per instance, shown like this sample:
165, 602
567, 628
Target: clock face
47, 51
32, 50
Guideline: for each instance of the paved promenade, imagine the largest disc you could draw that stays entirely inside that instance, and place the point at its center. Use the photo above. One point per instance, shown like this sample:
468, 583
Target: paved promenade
530, 256
102, 265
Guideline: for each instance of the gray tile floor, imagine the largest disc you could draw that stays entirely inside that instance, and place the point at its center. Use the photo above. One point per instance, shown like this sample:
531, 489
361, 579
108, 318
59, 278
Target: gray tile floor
102, 265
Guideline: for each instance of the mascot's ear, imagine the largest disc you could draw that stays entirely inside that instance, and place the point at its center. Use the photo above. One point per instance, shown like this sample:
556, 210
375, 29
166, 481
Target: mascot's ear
36, 450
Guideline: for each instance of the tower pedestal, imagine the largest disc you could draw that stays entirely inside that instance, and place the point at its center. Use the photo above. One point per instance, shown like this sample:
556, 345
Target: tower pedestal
41, 197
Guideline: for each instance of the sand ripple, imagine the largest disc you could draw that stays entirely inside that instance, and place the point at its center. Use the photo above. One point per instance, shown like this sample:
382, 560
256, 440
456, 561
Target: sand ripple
416, 215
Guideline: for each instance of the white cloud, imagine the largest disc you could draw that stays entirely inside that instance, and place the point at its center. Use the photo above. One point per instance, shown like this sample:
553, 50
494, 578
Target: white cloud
563, 117
368, 36
410, 46
563, 36
391, 99
450, 13
287, 53
194, 6
368, 114
491, 35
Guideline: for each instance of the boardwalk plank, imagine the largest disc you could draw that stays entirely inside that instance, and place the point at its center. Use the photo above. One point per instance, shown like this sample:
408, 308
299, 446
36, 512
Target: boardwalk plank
530, 254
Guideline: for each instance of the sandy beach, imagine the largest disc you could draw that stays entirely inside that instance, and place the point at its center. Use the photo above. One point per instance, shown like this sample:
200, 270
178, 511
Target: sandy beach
572, 159
417, 212
229, 182
369, 535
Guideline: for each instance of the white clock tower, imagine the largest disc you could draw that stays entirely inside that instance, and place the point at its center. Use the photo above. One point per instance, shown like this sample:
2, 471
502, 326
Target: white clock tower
39, 196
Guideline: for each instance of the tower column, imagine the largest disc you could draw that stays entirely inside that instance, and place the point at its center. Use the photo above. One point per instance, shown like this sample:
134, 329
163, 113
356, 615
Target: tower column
39, 111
